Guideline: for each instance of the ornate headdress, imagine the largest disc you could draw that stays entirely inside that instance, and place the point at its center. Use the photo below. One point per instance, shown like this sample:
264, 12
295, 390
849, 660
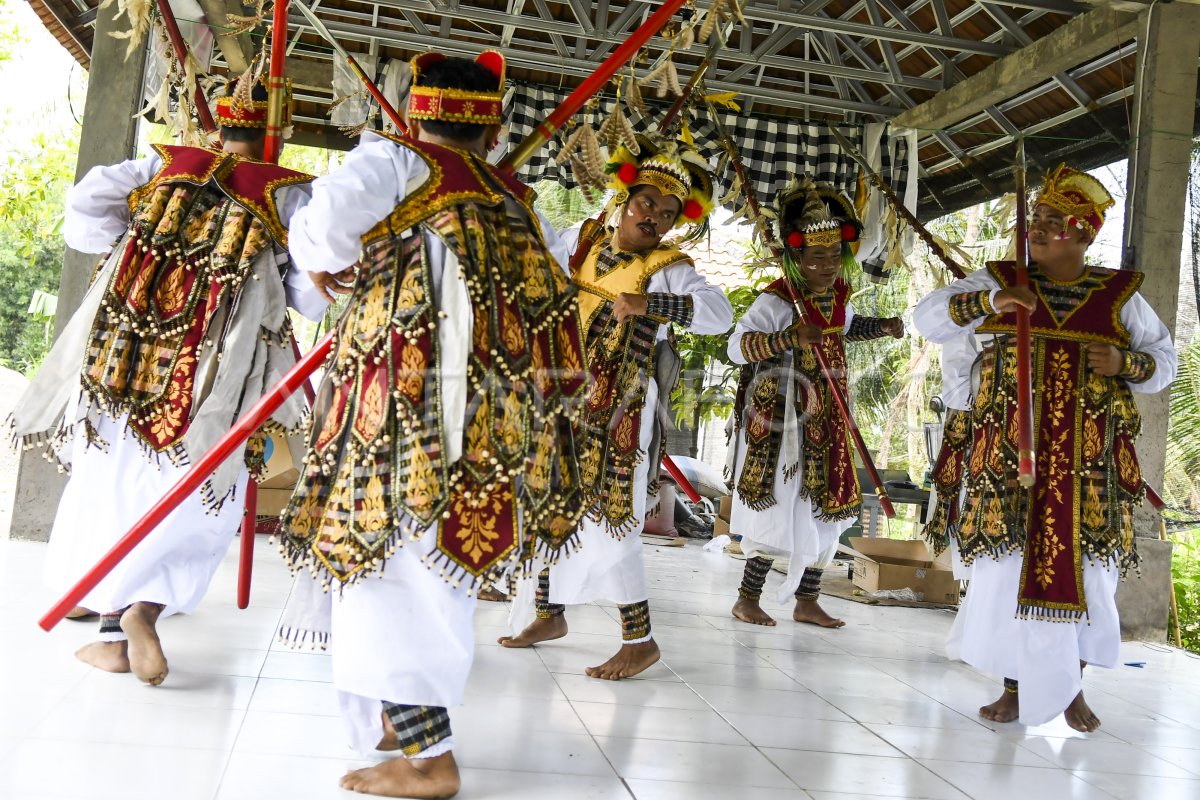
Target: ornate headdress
816, 215
1081, 198
238, 108
457, 105
673, 168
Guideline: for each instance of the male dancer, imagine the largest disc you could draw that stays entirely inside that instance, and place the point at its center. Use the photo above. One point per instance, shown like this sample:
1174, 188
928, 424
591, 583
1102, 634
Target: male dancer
632, 289
441, 437
797, 487
184, 327
1042, 604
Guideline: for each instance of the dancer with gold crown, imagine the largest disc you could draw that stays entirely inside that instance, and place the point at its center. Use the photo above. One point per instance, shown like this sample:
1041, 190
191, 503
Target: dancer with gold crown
442, 448
796, 485
632, 289
1046, 560
185, 326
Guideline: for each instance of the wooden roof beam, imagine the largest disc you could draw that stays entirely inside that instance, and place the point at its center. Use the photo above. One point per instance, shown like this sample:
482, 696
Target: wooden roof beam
1085, 37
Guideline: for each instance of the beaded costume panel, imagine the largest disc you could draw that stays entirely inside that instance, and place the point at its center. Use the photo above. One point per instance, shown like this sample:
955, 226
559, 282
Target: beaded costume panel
829, 478
1087, 478
947, 479
192, 243
377, 466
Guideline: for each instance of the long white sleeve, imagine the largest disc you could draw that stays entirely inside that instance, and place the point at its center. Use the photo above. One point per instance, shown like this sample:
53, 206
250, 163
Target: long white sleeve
1149, 335
326, 234
97, 208
849, 317
302, 295
958, 359
561, 244
712, 313
932, 315
767, 314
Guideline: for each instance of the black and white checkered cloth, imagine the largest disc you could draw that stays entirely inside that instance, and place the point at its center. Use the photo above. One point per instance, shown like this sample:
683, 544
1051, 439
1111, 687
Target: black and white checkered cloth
772, 148
418, 728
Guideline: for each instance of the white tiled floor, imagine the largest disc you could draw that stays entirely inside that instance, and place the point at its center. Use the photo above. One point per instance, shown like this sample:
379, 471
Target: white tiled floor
790, 713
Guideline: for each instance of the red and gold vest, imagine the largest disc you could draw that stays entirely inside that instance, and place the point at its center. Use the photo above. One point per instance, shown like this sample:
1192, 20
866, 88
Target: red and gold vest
378, 466
829, 478
197, 228
1087, 478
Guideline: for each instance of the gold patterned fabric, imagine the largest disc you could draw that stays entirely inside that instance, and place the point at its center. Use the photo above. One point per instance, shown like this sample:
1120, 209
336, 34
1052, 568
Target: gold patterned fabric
947, 479
377, 469
1087, 480
829, 478
190, 248
620, 359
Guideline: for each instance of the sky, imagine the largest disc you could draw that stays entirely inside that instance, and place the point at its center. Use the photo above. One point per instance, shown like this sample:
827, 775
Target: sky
42, 84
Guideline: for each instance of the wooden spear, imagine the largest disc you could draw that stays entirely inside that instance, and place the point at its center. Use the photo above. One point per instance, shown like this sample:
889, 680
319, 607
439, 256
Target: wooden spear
1025, 454
181, 53
955, 268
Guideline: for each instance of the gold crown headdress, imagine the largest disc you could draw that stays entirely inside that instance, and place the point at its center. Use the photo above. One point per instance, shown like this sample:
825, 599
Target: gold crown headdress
1082, 199
673, 168
238, 108
826, 215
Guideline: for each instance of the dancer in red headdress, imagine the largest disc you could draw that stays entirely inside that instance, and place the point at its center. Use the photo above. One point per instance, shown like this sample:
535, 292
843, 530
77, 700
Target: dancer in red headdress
442, 448
185, 325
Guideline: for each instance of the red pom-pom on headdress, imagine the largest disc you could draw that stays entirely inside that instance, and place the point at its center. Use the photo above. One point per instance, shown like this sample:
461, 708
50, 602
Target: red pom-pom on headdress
627, 173
849, 232
1072, 222
795, 239
693, 210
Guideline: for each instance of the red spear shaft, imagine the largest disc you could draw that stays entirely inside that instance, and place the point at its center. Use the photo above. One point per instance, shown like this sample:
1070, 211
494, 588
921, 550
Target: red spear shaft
593, 83
275, 84
1025, 456
251, 421
181, 52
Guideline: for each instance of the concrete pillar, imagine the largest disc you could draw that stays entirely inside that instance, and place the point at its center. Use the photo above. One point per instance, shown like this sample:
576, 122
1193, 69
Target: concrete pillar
109, 135
1156, 201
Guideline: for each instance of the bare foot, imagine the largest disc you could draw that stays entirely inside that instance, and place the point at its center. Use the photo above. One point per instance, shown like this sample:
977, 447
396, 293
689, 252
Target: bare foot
390, 740
542, 629
1003, 710
146, 657
108, 656
80, 613
630, 660
1080, 717
810, 611
750, 611
493, 595
423, 778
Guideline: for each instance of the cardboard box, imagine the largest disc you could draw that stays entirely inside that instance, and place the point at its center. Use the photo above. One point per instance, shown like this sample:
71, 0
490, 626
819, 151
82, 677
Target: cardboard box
272, 502
894, 564
282, 470
720, 528
726, 507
